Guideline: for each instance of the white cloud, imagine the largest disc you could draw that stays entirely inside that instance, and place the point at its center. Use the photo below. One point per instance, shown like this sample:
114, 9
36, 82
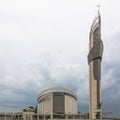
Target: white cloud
45, 43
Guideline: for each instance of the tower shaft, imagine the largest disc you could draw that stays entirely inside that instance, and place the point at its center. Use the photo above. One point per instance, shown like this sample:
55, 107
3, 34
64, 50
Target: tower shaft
94, 61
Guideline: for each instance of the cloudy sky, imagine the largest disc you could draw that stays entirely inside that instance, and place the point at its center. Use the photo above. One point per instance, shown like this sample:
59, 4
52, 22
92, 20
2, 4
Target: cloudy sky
44, 43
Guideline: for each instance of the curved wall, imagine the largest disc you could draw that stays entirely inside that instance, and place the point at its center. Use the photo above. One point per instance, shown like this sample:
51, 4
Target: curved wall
57, 100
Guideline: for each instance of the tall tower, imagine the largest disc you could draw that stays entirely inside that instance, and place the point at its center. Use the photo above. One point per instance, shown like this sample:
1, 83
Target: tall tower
94, 61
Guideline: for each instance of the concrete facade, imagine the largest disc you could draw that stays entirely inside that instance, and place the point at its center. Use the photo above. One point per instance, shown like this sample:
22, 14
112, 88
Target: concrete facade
94, 61
57, 100
44, 105
70, 105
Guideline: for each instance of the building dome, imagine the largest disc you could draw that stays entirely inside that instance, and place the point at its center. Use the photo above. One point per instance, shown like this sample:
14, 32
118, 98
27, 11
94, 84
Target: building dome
57, 100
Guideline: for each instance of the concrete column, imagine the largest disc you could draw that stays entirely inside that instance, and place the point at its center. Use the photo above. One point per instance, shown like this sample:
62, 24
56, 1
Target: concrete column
51, 116
5, 116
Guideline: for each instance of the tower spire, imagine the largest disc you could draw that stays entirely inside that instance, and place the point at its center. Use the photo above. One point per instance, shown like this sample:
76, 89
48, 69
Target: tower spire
98, 6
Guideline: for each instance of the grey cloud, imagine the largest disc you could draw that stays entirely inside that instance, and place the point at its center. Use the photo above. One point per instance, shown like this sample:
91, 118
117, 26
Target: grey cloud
26, 80
111, 88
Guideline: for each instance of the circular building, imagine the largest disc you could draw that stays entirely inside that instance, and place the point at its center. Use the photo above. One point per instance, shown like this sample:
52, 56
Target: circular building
57, 100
